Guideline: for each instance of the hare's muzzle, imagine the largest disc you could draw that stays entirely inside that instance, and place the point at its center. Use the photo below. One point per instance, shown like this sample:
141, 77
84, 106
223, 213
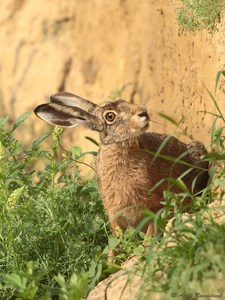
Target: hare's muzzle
143, 119
144, 116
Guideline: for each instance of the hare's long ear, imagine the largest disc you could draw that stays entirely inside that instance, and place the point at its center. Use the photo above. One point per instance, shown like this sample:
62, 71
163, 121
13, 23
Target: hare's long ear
68, 99
67, 115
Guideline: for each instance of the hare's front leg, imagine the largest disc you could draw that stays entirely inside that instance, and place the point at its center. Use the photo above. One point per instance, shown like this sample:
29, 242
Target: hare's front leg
150, 229
149, 233
112, 253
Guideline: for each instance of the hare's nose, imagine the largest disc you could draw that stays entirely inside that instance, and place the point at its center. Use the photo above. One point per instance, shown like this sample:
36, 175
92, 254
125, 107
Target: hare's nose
144, 114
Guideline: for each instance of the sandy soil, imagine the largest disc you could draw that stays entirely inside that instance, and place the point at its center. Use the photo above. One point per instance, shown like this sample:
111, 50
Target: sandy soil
93, 48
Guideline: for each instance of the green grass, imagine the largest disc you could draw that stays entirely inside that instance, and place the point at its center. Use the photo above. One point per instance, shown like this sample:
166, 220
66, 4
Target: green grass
200, 14
52, 221
190, 259
54, 234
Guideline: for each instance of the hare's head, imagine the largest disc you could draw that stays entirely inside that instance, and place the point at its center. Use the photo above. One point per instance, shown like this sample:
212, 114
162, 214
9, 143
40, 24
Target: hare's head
116, 121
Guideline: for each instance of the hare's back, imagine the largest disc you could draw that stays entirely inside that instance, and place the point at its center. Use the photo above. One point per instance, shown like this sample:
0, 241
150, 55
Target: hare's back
169, 144
190, 153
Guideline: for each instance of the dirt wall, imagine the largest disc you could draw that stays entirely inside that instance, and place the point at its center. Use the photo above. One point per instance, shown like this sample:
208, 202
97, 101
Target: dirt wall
93, 48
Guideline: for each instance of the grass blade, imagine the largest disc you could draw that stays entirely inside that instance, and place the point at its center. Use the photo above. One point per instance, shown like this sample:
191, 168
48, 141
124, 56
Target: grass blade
92, 140
215, 103
20, 120
218, 75
168, 118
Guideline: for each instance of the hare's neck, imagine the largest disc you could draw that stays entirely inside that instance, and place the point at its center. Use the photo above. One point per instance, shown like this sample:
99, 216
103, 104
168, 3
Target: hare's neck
119, 151
118, 157
124, 145
122, 173
120, 141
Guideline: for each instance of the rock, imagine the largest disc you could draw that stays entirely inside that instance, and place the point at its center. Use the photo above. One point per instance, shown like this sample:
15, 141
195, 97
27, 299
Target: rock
120, 286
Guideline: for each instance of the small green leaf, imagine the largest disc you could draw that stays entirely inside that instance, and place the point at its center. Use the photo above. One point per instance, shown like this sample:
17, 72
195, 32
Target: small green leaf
20, 120
148, 213
88, 190
92, 268
37, 142
92, 140
76, 151
60, 279
94, 153
179, 183
3, 121
99, 271
16, 280
113, 242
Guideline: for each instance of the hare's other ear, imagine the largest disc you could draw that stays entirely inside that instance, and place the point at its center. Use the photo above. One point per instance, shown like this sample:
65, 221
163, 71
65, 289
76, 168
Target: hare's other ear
67, 116
68, 99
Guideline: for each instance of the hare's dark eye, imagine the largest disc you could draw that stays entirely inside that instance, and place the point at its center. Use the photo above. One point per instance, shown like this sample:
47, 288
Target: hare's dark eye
110, 116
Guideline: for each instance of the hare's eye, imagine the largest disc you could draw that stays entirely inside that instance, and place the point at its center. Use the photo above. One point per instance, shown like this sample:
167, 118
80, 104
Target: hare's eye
110, 116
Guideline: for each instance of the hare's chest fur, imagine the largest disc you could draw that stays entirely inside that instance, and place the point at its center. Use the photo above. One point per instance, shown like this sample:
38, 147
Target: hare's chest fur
124, 180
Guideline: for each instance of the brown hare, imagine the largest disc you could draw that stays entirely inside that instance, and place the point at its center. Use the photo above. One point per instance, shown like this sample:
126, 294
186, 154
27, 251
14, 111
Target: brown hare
127, 168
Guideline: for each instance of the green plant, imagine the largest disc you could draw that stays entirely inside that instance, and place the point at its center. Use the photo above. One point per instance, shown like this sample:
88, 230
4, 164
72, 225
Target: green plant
200, 14
188, 260
75, 288
52, 218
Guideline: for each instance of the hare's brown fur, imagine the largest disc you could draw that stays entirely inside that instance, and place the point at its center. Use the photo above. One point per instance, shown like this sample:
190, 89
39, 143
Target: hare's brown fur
127, 174
130, 176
